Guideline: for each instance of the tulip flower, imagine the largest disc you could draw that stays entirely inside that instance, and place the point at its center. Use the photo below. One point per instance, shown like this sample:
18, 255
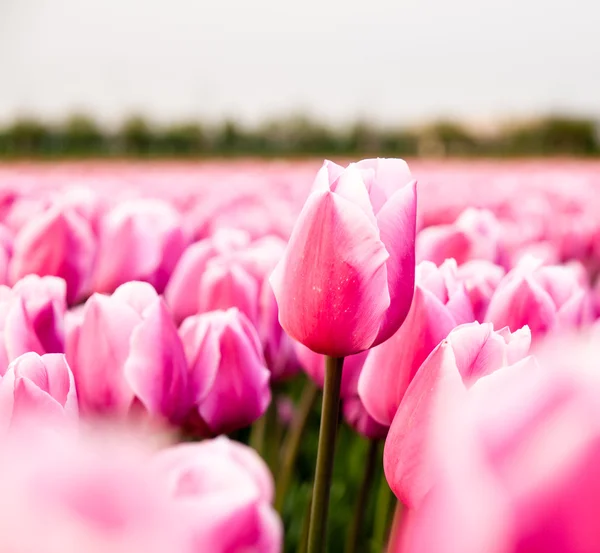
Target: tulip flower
38, 390
57, 243
126, 356
481, 278
474, 235
345, 282
139, 240
515, 464
470, 351
546, 298
357, 417
440, 304
96, 493
223, 490
228, 379
227, 270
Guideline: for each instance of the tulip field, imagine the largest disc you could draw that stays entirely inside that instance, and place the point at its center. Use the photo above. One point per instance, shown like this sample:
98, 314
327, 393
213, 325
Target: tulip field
366, 356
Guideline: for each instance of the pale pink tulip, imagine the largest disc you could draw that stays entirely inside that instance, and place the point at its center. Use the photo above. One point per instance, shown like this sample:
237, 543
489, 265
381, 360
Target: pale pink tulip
226, 271
228, 379
126, 356
546, 298
223, 490
440, 304
39, 391
470, 351
139, 240
96, 494
475, 234
516, 465
346, 280
57, 243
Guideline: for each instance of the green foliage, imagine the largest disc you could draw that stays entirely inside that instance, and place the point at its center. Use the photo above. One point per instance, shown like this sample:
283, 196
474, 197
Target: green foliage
80, 136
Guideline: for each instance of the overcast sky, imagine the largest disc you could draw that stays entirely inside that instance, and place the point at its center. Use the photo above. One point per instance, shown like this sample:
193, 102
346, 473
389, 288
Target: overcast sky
393, 60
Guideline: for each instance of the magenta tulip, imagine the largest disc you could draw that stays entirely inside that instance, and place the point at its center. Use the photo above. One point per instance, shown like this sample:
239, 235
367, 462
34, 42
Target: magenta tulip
139, 240
229, 381
57, 243
223, 491
127, 356
440, 304
470, 352
546, 298
481, 278
345, 282
39, 391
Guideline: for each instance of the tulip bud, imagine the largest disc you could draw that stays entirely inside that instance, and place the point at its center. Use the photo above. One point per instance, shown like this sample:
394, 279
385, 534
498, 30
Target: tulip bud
125, 353
38, 390
345, 282
57, 243
229, 382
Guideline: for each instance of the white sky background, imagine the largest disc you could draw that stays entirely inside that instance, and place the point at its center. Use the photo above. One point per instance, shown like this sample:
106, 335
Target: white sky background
396, 61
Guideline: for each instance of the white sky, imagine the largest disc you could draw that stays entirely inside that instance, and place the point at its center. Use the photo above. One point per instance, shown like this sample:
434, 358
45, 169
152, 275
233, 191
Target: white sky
396, 61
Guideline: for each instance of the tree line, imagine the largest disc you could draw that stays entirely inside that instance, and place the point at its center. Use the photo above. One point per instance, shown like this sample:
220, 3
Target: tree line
80, 136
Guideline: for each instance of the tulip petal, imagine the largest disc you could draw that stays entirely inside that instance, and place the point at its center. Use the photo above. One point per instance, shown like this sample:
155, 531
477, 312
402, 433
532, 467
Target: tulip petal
331, 286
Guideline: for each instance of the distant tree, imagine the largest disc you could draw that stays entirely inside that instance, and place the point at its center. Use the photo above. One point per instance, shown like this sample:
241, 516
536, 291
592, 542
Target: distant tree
136, 136
81, 135
185, 139
26, 137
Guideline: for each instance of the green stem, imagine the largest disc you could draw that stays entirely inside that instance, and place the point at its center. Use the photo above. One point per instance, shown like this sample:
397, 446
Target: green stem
272, 437
354, 531
258, 434
303, 542
293, 440
396, 530
382, 515
317, 533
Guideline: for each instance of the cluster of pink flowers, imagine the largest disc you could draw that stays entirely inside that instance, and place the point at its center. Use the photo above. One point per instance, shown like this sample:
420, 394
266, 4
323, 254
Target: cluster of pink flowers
175, 304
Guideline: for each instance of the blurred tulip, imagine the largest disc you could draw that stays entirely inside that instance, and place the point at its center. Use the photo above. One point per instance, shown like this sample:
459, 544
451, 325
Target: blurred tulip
440, 304
139, 240
474, 235
346, 280
95, 493
543, 297
57, 243
224, 491
357, 417
126, 356
470, 352
229, 381
226, 271
480, 278
6, 249
38, 390
516, 465
44, 300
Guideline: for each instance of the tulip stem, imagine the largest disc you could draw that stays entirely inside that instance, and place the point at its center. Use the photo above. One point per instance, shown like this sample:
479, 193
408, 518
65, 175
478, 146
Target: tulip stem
354, 531
317, 533
396, 530
382, 515
293, 440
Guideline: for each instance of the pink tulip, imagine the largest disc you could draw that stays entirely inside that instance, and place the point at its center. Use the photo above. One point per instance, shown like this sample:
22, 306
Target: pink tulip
57, 243
126, 355
481, 278
6, 249
470, 351
440, 304
226, 271
96, 494
345, 282
45, 302
543, 297
139, 240
474, 235
357, 417
516, 465
38, 390
223, 490
229, 381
